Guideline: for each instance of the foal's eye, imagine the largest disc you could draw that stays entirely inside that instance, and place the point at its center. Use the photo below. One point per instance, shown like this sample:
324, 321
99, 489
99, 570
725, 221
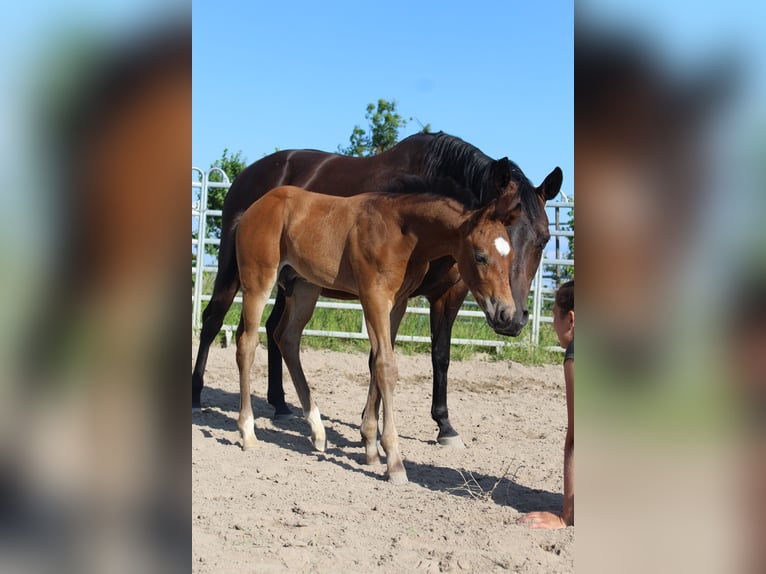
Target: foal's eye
480, 257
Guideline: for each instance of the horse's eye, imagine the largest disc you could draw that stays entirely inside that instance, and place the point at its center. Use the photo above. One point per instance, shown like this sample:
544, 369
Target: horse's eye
481, 258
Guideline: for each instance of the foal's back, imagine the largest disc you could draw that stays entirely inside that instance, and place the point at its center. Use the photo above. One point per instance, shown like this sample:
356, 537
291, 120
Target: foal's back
308, 231
334, 241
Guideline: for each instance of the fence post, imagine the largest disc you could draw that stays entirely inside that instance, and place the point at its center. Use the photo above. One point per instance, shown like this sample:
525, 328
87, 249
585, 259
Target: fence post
199, 276
557, 278
537, 301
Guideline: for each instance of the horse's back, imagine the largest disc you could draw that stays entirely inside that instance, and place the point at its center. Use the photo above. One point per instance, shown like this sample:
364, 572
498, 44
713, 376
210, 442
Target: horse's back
280, 168
321, 172
325, 172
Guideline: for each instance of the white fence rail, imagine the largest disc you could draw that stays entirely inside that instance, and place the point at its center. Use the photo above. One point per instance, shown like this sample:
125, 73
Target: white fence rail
549, 272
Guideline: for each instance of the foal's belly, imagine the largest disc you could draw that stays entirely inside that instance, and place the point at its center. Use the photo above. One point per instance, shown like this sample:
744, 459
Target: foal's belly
334, 277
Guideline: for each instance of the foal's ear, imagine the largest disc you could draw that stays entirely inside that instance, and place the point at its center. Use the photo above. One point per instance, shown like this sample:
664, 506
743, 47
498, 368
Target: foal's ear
506, 209
501, 174
551, 185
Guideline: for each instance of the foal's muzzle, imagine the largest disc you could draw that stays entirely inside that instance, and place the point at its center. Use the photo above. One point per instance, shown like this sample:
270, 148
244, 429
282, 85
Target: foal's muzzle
503, 318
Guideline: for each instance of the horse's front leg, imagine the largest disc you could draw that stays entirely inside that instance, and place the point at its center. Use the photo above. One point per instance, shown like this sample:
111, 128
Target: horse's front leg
444, 310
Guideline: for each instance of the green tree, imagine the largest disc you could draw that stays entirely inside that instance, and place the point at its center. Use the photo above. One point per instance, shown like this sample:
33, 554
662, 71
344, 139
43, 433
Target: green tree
231, 165
382, 132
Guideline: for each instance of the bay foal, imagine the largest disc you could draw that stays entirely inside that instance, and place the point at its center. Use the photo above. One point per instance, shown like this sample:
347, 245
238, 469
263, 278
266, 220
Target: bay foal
378, 247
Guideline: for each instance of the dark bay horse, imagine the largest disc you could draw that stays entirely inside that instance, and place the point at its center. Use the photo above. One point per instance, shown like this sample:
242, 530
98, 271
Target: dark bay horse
377, 247
428, 155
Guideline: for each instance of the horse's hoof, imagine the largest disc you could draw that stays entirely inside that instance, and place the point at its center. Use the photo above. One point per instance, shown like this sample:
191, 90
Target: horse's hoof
451, 441
399, 477
250, 444
282, 413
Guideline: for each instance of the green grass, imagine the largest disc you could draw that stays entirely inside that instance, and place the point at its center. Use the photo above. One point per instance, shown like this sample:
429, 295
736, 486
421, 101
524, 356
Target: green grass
418, 325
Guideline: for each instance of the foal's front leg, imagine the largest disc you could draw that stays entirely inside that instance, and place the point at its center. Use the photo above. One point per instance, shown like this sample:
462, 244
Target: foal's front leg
384, 375
397, 314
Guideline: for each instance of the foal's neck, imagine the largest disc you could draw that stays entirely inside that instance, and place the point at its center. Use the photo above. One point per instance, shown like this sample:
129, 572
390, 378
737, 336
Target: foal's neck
436, 222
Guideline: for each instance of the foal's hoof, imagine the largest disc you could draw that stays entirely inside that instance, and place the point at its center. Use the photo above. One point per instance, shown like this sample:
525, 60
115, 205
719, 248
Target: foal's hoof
399, 477
249, 444
371, 460
451, 441
319, 444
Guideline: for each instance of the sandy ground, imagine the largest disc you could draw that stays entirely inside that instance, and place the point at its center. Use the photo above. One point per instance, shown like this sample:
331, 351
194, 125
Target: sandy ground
284, 507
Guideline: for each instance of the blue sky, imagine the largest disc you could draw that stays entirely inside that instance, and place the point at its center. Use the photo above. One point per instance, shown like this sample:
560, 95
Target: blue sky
272, 75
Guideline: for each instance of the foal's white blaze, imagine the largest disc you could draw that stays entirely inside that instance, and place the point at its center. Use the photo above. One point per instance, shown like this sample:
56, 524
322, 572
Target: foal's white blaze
502, 246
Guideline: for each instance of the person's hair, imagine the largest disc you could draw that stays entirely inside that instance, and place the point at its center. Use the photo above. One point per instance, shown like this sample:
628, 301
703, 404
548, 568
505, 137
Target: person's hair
565, 298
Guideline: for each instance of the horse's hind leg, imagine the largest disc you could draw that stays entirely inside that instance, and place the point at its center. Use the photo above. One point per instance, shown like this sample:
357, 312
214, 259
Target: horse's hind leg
224, 290
299, 307
255, 295
276, 392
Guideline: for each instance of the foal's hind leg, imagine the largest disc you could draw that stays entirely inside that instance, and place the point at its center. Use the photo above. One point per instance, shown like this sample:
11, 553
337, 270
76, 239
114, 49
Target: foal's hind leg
299, 307
255, 295
369, 426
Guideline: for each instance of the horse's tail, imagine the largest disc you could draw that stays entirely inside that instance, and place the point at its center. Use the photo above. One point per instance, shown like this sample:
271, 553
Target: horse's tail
228, 270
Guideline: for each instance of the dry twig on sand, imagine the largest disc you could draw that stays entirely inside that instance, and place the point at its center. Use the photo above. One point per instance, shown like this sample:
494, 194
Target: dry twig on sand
471, 485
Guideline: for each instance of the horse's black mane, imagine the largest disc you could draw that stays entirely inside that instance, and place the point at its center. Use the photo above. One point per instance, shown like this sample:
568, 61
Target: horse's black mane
439, 187
449, 156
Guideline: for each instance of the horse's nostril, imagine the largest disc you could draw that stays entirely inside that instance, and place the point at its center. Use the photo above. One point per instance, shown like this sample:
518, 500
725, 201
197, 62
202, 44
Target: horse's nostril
525, 314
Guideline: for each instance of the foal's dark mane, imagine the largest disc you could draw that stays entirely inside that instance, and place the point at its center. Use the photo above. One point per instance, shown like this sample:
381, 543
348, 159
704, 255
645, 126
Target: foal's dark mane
418, 188
449, 156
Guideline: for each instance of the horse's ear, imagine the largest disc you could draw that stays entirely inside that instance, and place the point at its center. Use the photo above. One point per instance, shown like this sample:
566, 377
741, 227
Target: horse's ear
506, 209
501, 174
551, 185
